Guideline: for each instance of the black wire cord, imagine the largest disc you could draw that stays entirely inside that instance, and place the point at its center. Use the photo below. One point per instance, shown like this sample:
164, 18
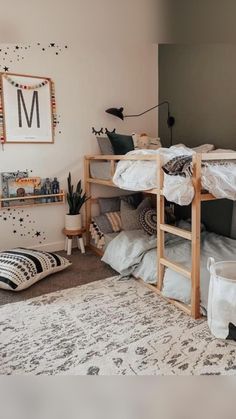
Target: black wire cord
170, 120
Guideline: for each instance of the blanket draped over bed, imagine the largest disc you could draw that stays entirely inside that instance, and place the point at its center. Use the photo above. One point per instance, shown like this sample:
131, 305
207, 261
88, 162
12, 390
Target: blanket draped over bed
137, 256
218, 178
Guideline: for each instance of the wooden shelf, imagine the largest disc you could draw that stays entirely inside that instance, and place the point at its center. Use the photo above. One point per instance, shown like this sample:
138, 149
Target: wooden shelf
28, 201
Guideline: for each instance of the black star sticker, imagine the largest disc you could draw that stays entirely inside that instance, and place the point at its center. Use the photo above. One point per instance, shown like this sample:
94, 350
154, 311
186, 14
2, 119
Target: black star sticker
21, 220
52, 44
5, 219
37, 234
6, 68
14, 231
17, 47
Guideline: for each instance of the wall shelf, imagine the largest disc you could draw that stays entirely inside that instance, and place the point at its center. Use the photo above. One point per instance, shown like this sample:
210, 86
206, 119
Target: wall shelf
32, 201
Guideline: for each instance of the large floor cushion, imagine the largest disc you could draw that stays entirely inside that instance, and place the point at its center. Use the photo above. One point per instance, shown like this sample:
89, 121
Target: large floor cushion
20, 268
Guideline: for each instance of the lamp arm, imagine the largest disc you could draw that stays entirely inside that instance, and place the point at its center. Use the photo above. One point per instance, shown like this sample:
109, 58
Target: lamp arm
150, 109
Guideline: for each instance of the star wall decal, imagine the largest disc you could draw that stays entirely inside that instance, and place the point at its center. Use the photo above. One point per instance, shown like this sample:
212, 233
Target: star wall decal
6, 68
37, 234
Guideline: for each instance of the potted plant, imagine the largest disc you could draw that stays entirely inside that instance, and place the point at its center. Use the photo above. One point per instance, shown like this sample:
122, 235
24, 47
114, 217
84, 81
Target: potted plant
75, 199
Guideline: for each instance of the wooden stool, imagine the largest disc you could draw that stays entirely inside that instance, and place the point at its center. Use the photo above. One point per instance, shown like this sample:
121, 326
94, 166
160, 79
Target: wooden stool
69, 237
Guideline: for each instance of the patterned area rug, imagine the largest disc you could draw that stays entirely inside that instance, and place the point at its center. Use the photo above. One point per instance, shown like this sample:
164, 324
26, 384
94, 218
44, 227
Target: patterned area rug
108, 327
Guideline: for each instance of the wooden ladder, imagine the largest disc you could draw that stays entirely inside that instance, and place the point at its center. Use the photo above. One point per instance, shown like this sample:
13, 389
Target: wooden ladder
194, 236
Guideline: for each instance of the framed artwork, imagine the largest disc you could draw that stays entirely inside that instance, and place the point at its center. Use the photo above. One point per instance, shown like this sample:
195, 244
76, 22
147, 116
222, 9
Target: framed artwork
27, 109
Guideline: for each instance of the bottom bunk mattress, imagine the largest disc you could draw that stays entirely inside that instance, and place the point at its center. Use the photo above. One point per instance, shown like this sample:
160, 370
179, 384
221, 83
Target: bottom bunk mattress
134, 253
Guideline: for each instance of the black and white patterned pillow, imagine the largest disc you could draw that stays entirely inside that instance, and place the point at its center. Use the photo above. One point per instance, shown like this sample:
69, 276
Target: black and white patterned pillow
148, 220
20, 268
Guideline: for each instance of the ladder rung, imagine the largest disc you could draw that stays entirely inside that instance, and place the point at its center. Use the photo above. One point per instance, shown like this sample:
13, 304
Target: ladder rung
176, 267
176, 231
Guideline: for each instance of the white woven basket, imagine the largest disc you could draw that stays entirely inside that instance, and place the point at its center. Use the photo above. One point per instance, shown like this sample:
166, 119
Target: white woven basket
222, 299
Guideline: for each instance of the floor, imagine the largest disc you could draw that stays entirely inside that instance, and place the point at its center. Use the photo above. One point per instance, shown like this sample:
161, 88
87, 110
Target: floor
84, 269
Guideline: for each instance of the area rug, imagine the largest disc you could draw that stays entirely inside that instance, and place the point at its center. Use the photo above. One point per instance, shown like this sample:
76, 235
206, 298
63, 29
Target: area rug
110, 327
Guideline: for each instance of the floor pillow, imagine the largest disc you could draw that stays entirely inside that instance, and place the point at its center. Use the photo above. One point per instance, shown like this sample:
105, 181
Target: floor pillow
20, 268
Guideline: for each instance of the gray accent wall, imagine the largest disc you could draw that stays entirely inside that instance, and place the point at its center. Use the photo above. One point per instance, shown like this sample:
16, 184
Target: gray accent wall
199, 81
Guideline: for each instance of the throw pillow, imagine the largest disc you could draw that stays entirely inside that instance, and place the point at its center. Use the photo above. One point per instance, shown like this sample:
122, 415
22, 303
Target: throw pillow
103, 224
143, 141
121, 144
133, 199
130, 215
20, 268
109, 204
112, 204
115, 221
105, 146
148, 220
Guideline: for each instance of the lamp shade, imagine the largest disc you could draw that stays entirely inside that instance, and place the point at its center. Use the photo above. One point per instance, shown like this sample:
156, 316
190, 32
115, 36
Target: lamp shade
118, 112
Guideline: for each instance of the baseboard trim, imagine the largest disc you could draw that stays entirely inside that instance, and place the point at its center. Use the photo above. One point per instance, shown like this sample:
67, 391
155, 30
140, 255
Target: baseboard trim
50, 247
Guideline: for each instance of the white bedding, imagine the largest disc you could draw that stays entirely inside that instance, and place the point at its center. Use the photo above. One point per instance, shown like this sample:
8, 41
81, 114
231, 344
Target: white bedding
141, 175
137, 256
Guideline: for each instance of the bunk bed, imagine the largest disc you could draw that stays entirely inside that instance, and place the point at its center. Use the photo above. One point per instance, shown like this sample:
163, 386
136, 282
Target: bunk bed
194, 235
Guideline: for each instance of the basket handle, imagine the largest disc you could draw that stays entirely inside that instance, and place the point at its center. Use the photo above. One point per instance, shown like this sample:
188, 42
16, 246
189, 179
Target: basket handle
211, 265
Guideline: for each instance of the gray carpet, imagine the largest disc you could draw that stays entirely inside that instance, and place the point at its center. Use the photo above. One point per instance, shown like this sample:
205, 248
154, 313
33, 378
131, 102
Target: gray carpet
84, 269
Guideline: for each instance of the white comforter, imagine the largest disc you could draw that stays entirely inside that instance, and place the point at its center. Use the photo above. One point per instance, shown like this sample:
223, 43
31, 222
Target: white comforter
141, 175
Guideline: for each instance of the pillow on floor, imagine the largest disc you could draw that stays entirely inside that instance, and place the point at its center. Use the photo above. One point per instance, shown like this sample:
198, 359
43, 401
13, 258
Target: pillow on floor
20, 268
130, 215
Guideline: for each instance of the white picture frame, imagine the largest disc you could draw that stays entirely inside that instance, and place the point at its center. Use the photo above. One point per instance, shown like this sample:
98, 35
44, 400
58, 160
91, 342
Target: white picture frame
27, 109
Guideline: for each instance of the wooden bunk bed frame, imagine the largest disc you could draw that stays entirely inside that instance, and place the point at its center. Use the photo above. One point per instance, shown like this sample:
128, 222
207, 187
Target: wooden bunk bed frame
193, 309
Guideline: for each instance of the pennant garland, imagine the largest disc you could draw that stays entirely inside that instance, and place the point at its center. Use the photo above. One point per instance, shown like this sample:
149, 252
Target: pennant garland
53, 102
2, 139
24, 86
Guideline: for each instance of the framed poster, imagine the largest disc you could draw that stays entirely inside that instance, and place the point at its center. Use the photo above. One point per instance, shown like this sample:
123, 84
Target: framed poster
27, 109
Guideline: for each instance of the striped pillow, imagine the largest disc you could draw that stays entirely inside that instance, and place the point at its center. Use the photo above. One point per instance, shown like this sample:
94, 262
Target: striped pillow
115, 220
20, 268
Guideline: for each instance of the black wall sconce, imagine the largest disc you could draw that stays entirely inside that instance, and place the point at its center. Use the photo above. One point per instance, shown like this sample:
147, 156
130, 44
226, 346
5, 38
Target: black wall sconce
119, 113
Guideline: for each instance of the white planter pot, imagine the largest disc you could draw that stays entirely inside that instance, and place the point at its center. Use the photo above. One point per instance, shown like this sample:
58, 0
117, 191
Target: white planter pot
73, 222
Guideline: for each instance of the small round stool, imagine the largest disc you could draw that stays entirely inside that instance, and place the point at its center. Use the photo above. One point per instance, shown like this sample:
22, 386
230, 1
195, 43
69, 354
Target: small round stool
69, 237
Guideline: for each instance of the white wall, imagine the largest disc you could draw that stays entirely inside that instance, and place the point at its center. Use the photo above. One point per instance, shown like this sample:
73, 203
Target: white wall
88, 79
